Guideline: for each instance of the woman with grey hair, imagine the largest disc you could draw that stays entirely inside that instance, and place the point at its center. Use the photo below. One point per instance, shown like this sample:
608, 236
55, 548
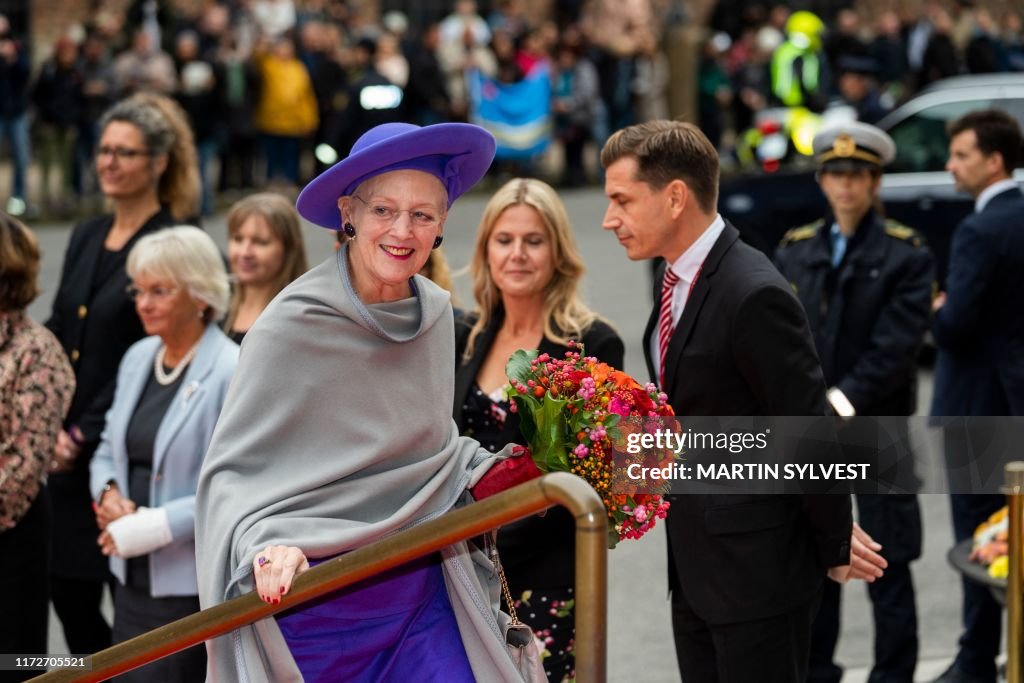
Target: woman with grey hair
170, 389
146, 166
358, 441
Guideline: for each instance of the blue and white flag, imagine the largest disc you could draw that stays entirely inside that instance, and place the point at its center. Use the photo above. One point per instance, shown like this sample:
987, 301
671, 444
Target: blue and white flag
517, 114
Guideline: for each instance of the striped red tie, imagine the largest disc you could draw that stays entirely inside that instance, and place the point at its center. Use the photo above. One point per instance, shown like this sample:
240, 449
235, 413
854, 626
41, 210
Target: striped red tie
665, 325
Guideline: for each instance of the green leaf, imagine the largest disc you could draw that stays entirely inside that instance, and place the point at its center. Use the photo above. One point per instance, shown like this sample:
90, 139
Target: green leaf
549, 442
526, 407
518, 366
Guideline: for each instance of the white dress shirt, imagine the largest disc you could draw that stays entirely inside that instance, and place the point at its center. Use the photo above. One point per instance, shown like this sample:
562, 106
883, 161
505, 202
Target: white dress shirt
991, 191
686, 267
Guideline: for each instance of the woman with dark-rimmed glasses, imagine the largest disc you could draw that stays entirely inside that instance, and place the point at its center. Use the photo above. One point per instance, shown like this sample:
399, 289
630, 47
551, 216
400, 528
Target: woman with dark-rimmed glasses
146, 167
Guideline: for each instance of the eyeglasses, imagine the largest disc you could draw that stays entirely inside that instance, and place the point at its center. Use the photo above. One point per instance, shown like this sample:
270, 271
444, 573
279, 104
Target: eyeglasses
120, 153
382, 213
158, 293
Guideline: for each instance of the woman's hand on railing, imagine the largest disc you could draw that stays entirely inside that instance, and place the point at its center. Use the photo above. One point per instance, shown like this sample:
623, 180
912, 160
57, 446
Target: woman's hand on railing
274, 570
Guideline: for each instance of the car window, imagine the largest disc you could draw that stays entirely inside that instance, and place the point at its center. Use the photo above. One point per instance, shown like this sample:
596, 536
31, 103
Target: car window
921, 141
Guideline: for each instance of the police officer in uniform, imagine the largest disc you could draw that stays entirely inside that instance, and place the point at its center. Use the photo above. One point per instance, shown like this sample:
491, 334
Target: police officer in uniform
866, 284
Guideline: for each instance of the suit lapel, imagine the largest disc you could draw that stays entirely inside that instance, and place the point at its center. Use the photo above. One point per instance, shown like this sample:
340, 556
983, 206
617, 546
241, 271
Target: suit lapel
189, 395
691, 313
134, 384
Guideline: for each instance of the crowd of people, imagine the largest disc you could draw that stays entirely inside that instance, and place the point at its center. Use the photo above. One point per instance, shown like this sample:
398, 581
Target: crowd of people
144, 456
765, 55
276, 90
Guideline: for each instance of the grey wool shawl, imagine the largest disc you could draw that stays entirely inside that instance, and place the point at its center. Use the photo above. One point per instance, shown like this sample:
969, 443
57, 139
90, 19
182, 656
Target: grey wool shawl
337, 431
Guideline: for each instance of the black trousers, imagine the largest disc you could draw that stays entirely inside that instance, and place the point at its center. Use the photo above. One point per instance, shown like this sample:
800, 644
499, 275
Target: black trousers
77, 603
24, 569
772, 650
894, 520
982, 615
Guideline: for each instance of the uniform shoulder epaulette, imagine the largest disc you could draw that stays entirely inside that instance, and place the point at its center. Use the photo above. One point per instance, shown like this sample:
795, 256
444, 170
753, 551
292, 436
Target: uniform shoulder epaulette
803, 232
902, 232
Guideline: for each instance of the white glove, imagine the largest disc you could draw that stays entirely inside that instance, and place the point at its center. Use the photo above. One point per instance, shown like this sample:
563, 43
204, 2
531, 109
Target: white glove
140, 533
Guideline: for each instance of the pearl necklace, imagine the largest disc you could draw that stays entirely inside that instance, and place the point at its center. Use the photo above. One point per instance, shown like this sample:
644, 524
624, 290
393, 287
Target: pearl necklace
165, 378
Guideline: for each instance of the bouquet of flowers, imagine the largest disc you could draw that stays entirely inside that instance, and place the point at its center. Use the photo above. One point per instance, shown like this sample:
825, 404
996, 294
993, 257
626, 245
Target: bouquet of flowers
572, 412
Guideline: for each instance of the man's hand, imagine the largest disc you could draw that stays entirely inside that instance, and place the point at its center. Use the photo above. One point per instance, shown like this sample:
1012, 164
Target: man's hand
865, 562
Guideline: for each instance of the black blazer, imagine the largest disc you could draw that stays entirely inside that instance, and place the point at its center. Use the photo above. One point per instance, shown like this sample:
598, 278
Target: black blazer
95, 322
537, 552
869, 315
980, 330
743, 347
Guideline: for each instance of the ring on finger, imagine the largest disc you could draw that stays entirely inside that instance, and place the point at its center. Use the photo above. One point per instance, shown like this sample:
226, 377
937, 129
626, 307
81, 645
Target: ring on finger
262, 561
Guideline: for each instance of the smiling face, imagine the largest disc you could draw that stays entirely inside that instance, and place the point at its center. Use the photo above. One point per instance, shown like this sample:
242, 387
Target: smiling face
639, 215
255, 253
397, 216
165, 307
520, 256
124, 165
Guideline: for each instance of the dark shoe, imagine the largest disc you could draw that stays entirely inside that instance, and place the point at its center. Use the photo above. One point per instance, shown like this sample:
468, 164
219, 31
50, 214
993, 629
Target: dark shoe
956, 675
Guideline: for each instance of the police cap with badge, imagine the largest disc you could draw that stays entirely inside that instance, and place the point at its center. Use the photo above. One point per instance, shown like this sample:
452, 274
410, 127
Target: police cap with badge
852, 146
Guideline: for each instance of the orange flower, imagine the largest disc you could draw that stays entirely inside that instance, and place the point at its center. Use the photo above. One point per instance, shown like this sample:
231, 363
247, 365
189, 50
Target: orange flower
622, 380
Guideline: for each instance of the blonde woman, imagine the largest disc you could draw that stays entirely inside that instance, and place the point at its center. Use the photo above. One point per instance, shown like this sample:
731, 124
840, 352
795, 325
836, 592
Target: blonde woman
526, 271
266, 252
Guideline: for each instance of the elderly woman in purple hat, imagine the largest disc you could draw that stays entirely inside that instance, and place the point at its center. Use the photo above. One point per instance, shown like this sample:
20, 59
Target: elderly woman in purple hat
337, 431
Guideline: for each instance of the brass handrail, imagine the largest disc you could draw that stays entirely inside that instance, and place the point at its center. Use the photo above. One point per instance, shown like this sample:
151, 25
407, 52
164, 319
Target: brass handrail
526, 499
1014, 490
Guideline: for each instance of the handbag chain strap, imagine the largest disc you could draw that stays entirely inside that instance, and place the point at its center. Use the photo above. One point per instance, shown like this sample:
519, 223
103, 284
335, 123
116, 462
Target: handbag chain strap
492, 551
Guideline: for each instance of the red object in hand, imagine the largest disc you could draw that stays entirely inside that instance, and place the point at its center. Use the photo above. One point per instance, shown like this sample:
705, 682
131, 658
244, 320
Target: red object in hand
510, 472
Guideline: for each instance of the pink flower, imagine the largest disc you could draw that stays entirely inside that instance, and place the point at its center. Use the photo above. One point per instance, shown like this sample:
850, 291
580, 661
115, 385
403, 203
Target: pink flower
640, 513
581, 451
598, 433
618, 406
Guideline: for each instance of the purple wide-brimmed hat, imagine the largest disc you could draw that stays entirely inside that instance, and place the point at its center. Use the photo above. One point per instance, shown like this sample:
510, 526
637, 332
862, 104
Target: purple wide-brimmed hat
457, 154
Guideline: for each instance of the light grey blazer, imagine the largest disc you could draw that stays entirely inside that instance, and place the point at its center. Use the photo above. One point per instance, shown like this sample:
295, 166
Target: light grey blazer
181, 444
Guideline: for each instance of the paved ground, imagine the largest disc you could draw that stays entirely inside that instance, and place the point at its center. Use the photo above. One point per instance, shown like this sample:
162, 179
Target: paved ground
639, 631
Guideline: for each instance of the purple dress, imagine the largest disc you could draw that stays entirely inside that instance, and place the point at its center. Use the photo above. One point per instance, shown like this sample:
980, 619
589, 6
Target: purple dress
398, 626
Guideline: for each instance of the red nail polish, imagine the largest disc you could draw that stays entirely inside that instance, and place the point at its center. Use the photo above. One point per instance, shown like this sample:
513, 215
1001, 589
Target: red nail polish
282, 590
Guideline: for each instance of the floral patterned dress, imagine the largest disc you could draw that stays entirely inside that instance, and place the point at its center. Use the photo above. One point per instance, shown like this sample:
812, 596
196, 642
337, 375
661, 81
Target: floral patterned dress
36, 386
548, 610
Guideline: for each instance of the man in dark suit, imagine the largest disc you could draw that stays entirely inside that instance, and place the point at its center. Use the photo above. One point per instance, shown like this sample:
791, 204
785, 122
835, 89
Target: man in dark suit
866, 284
728, 338
979, 329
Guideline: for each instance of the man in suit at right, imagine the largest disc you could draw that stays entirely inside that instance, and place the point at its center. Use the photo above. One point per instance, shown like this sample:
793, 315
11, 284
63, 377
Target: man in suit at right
979, 329
728, 338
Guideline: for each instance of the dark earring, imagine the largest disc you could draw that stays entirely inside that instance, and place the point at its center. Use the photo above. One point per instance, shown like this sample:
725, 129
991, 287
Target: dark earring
438, 240
350, 230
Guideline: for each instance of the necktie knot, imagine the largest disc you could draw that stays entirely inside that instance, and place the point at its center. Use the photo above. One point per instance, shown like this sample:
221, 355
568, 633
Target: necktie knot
671, 279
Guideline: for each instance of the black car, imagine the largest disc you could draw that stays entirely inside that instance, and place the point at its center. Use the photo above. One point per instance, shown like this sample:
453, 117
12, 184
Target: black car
916, 189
